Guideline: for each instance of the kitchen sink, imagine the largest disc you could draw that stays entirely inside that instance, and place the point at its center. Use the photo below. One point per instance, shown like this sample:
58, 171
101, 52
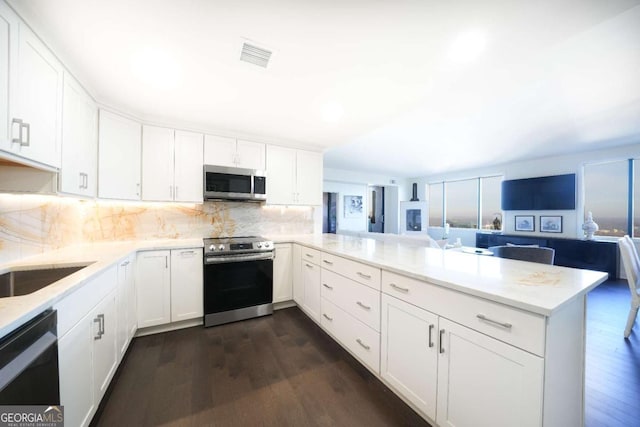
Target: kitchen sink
16, 283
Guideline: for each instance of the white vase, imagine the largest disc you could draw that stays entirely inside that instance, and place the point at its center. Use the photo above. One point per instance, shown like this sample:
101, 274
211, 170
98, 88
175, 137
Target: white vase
589, 227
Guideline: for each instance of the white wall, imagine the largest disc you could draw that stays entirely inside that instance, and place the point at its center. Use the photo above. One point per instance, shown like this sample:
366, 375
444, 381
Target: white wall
346, 183
572, 163
347, 189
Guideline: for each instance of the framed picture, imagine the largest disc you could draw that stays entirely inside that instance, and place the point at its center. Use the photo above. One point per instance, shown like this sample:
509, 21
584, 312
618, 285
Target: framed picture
551, 224
525, 223
353, 206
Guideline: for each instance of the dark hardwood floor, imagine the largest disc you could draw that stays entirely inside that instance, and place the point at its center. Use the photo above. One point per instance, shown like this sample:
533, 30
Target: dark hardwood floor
612, 363
282, 370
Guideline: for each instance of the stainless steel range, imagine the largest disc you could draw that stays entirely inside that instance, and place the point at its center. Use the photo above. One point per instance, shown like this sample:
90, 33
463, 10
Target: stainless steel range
238, 279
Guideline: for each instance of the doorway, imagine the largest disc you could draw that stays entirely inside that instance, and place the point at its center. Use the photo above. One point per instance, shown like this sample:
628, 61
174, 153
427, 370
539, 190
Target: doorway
329, 219
376, 209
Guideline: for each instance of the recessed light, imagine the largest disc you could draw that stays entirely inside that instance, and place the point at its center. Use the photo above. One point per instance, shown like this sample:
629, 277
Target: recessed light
332, 112
467, 46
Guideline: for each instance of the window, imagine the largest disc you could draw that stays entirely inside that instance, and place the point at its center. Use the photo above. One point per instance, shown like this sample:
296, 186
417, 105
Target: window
606, 194
491, 212
436, 203
462, 203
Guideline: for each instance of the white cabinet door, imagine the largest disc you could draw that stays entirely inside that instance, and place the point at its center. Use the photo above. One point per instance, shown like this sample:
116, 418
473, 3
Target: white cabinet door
153, 288
119, 145
298, 286
186, 284
409, 352
309, 178
250, 155
219, 150
485, 382
79, 165
281, 172
157, 163
75, 359
311, 283
9, 31
188, 167
282, 273
125, 306
105, 354
39, 99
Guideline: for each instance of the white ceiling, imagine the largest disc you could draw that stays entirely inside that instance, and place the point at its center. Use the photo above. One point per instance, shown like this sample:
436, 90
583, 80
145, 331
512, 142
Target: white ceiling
555, 76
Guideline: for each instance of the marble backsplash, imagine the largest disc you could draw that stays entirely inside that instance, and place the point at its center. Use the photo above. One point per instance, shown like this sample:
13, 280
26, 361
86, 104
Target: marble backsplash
31, 224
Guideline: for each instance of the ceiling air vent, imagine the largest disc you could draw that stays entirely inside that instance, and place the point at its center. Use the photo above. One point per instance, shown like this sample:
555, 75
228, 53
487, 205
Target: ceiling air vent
255, 55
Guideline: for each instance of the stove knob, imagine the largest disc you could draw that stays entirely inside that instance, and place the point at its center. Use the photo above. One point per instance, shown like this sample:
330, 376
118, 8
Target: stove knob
221, 247
259, 245
212, 248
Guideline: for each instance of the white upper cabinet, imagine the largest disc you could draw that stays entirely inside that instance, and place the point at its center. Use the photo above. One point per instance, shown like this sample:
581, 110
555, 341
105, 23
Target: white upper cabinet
8, 72
294, 177
119, 157
157, 163
188, 167
30, 94
171, 165
79, 171
224, 151
309, 177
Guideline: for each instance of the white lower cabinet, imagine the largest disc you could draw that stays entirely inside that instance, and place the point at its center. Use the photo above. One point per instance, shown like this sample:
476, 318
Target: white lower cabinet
455, 375
186, 284
311, 288
409, 352
126, 305
485, 382
298, 289
169, 286
153, 288
75, 360
282, 273
87, 353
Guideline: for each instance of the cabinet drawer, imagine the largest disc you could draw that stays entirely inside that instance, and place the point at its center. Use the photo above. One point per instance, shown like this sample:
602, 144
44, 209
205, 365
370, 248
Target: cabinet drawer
76, 305
358, 300
355, 336
310, 255
359, 272
514, 326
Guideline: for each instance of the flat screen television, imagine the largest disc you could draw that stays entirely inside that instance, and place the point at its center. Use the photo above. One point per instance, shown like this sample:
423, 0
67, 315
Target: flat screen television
556, 192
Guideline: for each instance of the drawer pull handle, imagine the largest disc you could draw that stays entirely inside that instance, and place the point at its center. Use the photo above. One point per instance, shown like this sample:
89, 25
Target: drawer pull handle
366, 307
366, 347
326, 261
441, 340
364, 276
330, 319
430, 332
308, 265
398, 288
309, 255
495, 322
327, 286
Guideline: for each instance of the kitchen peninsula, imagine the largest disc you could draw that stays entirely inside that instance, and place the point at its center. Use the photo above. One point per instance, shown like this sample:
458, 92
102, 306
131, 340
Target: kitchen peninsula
463, 339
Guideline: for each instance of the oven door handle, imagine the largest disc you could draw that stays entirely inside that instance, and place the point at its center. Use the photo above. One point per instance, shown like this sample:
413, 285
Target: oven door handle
238, 258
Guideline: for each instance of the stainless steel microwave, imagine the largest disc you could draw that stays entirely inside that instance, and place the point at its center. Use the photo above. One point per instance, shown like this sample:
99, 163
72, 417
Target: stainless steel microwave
225, 183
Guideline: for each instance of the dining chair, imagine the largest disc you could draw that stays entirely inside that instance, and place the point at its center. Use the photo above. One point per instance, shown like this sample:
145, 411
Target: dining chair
631, 264
525, 253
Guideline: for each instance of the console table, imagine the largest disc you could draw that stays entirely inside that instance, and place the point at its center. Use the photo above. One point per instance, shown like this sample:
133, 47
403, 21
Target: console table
585, 254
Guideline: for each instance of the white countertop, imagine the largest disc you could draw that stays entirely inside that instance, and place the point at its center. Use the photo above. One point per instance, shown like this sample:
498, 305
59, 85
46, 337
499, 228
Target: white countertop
538, 288
14, 311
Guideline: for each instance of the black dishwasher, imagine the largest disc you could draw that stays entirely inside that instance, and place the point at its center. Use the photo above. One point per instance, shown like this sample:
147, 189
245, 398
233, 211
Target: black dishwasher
29, 363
